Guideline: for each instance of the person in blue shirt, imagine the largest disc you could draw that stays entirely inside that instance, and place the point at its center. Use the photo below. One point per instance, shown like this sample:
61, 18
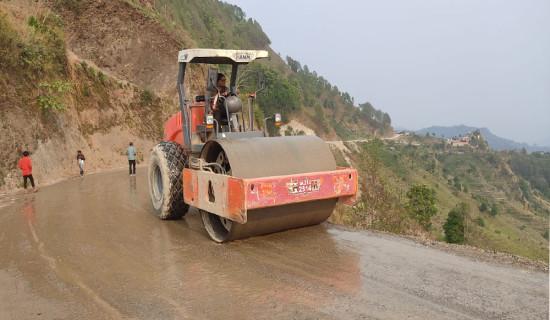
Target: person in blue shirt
131, 152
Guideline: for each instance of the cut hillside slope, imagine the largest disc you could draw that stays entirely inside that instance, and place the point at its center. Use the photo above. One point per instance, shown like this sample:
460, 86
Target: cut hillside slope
122, 41
101, 119
105, 108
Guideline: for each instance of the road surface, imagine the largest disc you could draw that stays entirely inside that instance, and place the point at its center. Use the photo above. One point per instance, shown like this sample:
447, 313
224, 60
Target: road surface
92, 248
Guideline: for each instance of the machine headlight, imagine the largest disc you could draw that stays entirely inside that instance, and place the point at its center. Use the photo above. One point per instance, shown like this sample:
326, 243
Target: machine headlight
277, 119
209, 119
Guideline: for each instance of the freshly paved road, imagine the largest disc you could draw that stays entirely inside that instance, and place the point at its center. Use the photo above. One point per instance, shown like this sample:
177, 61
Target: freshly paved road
92, 248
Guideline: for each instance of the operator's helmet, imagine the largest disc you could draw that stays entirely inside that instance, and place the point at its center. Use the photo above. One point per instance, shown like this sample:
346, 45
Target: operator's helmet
233, 104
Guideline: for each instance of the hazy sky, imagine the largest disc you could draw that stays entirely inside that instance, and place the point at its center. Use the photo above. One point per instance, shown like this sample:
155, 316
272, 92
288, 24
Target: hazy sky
482, 63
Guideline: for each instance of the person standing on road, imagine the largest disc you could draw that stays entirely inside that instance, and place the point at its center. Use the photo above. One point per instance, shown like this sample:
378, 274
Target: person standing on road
80, 159
131, 152
25, 165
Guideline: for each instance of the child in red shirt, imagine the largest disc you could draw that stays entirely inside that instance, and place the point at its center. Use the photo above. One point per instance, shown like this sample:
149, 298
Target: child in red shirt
26, 168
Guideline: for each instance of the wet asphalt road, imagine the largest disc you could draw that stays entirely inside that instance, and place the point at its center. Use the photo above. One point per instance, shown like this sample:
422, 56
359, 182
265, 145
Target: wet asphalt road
92, 248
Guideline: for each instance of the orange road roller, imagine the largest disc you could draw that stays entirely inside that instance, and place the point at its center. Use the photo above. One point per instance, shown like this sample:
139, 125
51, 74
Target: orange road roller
243, 182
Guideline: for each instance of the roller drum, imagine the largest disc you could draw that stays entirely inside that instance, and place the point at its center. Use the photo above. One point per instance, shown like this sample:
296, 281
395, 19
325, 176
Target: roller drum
262, 157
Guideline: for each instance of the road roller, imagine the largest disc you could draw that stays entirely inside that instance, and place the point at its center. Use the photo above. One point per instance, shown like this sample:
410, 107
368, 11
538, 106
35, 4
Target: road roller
243, 182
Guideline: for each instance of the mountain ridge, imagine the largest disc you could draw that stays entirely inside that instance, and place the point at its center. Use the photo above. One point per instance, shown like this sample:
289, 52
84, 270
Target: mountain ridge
495, 142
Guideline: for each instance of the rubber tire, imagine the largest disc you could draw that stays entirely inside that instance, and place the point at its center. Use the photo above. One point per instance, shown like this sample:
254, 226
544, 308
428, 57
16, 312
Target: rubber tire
165, 180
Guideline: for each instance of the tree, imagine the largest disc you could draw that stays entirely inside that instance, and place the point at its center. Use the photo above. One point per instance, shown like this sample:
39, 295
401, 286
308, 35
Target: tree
421, 205
455, 224
378, 114
294, 65
386, 120
367, 111
320, 120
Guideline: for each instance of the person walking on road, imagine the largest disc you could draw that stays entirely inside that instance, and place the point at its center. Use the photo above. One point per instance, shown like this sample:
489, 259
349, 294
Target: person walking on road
25, 165
131, 152
80, 159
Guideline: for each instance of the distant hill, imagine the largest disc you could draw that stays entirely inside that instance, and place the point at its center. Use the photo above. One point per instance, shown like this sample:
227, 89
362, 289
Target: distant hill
495, 142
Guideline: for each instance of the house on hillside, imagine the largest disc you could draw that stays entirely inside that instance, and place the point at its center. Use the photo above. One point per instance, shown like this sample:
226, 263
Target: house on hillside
459, 141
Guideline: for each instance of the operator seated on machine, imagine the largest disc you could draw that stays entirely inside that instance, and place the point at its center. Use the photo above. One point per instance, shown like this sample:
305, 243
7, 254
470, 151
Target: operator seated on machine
218, 107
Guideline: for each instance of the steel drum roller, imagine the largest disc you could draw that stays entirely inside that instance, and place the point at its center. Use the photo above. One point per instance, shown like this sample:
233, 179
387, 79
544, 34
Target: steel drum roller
261, 157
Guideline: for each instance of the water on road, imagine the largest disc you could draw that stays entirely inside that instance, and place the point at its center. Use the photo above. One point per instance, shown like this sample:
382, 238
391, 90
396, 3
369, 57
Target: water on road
92, 248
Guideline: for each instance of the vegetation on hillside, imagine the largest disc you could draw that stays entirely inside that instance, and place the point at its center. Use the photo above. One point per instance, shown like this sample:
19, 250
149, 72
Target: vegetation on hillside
455, 224
33, 82
534, 169
34, 62
484, 192
335, 110
211, 24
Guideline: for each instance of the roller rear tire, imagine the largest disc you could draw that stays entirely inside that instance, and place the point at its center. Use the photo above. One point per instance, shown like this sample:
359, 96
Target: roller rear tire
165, 180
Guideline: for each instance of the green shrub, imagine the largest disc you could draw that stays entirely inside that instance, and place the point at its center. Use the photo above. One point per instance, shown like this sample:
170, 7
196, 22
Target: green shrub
147, 96
421, 205
101, 77
483, 207
454, 227
52, 93
33, 59
91, 72
289, 131
32, 22
480, 222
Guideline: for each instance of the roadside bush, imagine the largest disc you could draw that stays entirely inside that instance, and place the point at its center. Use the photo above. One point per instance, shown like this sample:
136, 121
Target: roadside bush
454, 227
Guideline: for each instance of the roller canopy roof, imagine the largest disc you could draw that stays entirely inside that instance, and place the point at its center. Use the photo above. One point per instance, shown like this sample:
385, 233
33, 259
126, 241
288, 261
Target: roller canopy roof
220, 56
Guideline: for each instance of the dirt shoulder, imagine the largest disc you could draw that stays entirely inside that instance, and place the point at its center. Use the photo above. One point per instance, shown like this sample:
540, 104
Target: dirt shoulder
476, 254
484, 255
